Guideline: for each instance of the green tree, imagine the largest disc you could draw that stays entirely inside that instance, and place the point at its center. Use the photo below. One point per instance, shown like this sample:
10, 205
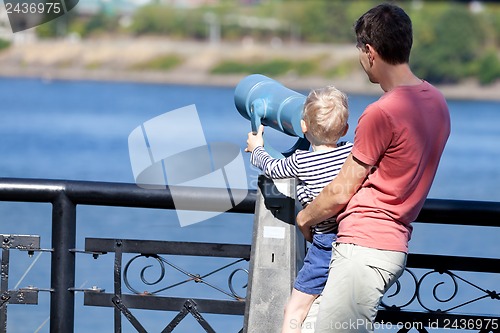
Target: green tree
488, 67
71, 22
4, 44
154, 19
58, 27
165, 20
324, 21
445, 50
492, 13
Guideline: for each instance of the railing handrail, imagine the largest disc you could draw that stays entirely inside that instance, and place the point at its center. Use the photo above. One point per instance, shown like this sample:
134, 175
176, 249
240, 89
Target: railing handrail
438, 211
122, 194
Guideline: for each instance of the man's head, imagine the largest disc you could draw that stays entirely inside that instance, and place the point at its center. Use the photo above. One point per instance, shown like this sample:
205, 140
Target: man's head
325, 116
388, 29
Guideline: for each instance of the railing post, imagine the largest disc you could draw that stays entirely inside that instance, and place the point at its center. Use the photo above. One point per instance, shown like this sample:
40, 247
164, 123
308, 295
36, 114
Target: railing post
62, 300
4, 287
274, 255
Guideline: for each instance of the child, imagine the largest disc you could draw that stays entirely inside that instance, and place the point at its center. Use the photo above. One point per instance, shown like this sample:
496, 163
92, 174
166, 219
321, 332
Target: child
324, 121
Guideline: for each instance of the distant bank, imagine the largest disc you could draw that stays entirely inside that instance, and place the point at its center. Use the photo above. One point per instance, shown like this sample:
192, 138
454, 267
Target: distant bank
113, 59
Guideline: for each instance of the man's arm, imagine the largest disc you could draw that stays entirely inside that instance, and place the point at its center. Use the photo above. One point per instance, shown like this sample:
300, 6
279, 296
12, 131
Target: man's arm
334, 196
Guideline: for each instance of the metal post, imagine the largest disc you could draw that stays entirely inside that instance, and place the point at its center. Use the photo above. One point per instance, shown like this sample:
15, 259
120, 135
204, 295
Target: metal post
62, 300
4, 288
273, 259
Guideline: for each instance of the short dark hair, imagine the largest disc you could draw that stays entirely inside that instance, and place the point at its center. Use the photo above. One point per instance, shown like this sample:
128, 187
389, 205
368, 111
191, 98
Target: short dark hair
388, 29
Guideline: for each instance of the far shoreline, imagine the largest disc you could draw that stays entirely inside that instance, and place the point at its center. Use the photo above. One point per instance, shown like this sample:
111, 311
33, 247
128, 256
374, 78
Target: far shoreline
466, 92
112, 60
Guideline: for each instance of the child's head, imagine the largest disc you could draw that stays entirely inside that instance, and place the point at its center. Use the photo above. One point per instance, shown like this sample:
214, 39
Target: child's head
325, 116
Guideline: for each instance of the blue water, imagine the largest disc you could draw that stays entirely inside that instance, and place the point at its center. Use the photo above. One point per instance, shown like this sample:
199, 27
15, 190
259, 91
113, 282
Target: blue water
79, 131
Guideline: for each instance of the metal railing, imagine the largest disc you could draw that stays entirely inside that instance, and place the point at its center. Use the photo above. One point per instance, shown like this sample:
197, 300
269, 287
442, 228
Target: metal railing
64, 197
274, 215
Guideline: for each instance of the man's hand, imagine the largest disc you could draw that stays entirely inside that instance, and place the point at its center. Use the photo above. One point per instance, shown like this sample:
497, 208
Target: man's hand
255, 139
306, 231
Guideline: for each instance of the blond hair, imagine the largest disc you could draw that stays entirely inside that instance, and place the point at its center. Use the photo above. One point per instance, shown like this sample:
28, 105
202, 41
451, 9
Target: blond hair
325, 113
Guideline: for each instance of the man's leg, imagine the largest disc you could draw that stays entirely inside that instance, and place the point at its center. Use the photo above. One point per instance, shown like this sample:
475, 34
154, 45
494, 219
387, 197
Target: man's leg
357, 281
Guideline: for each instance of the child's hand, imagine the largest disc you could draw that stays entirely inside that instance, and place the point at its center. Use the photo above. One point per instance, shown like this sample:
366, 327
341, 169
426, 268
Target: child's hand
255, 139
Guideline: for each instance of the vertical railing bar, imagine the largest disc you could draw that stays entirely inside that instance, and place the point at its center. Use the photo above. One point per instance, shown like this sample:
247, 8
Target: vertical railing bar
117, 277
62, 299
4, 289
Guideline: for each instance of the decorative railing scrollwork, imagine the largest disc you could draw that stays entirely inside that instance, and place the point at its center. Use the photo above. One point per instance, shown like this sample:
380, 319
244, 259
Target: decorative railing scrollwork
420, 288
230, 282
198, 278
435, 291
398, 286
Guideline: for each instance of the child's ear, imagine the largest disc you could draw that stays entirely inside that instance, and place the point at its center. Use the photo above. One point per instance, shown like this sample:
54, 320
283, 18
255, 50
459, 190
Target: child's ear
345, 129
303, 126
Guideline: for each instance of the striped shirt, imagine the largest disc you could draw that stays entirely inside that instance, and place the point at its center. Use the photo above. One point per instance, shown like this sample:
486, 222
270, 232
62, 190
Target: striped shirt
313, 170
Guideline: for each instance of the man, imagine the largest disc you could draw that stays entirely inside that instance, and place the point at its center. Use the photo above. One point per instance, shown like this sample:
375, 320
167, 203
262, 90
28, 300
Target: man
385, 180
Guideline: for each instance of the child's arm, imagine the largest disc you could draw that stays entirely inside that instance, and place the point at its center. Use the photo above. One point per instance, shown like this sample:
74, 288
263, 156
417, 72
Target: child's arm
272, 167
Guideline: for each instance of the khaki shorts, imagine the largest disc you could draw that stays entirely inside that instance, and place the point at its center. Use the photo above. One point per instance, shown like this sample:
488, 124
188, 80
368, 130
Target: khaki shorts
357, 280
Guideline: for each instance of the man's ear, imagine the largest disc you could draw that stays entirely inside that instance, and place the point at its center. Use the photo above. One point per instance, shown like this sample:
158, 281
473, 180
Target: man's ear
370, 53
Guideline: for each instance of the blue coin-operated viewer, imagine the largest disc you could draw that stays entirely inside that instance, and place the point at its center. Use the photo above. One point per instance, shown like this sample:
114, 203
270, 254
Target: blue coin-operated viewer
263, 100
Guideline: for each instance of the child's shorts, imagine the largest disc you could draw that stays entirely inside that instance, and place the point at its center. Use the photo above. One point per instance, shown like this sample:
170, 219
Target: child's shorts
313, 274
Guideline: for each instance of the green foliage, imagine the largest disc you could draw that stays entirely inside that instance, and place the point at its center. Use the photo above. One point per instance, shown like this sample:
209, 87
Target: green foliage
93, 65
325, 22
488, 68
443, 53
154, 19
4, 44
450, 40
100, 23
229, 67
311, 21
492, 20
343, 69
57, 27
277, 67
306, 67
164, 63
51, 29
274, 67
164, 20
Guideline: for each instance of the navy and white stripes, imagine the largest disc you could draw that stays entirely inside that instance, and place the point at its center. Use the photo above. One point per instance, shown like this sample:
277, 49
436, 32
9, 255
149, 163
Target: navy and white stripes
313, 170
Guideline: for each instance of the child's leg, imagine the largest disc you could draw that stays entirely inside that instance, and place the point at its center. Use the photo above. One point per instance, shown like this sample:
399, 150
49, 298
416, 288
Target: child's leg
296, 311
309, 283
